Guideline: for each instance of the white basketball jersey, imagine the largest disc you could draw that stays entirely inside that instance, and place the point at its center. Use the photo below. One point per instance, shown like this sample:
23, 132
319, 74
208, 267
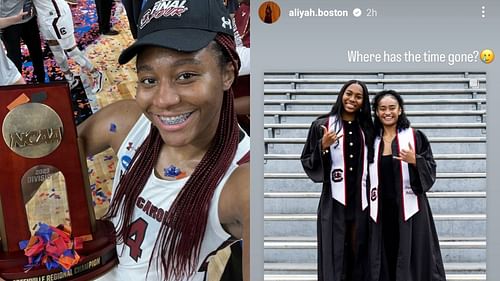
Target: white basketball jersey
50, 9
150, 208
55, 20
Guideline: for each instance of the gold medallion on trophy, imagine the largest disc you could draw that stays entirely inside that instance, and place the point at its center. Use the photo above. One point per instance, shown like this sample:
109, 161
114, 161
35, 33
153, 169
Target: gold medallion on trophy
32, 130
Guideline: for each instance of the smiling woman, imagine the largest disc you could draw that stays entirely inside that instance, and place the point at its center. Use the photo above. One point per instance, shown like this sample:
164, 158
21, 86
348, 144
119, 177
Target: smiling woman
179, 93
403, 239
182, 188
338, 148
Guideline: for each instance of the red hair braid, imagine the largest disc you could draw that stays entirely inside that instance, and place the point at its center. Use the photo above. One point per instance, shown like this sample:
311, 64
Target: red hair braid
182, 230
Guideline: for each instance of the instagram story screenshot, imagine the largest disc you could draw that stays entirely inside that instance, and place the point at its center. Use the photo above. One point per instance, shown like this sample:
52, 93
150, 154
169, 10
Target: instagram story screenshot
374, 124
127, 129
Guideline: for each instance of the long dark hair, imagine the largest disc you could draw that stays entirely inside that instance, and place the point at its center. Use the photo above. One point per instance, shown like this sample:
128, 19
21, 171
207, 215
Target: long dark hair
402, 122
363, 116
181, 232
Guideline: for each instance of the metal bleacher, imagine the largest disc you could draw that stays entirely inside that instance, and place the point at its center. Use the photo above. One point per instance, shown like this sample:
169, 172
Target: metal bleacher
449, 107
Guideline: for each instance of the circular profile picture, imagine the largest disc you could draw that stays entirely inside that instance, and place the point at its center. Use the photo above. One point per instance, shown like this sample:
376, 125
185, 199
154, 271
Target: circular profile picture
269, 12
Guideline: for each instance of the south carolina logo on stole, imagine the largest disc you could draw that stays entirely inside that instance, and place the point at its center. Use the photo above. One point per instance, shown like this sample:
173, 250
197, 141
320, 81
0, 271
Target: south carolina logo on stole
337, 175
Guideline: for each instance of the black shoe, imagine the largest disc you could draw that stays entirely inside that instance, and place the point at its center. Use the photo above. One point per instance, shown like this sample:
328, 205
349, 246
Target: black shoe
111, 32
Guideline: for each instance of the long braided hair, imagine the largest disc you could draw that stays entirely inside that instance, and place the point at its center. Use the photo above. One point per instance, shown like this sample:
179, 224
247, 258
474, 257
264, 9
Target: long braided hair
183, 227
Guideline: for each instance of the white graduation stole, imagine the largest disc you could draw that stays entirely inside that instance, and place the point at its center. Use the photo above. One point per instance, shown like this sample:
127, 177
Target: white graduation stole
337, 172
409, 198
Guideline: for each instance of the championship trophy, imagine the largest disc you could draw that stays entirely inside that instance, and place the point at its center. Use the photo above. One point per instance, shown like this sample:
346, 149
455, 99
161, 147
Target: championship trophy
39, 149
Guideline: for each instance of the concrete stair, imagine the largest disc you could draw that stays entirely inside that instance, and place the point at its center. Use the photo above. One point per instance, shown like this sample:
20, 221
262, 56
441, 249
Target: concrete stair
451, 110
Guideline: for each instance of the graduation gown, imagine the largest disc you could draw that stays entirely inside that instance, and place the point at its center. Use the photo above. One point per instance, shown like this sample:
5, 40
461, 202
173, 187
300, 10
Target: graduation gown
331, 227
419, 255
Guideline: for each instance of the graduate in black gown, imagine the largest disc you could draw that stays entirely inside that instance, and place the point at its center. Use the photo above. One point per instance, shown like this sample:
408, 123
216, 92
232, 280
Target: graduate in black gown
337, 151
403, 241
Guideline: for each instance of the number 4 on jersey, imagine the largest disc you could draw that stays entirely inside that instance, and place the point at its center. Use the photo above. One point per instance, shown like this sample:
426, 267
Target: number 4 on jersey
136, 237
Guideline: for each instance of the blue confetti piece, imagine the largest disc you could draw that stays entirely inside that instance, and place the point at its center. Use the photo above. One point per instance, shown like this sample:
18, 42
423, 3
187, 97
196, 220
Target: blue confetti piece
44, 232
69, 253
112, 128
37, 259
23, 244
51, 264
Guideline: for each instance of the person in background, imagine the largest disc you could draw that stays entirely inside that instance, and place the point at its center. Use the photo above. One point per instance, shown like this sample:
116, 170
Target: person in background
103, 9
338, 148
133, 10
403, 239
56, 24
242, 86
9, 74
27, 30
182, 187
242, 19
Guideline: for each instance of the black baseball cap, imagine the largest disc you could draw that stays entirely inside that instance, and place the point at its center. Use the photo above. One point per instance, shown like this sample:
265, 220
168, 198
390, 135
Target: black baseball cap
182, 25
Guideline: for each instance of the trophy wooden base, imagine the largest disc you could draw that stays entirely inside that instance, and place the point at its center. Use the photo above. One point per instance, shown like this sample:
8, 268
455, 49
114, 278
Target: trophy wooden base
97, 257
